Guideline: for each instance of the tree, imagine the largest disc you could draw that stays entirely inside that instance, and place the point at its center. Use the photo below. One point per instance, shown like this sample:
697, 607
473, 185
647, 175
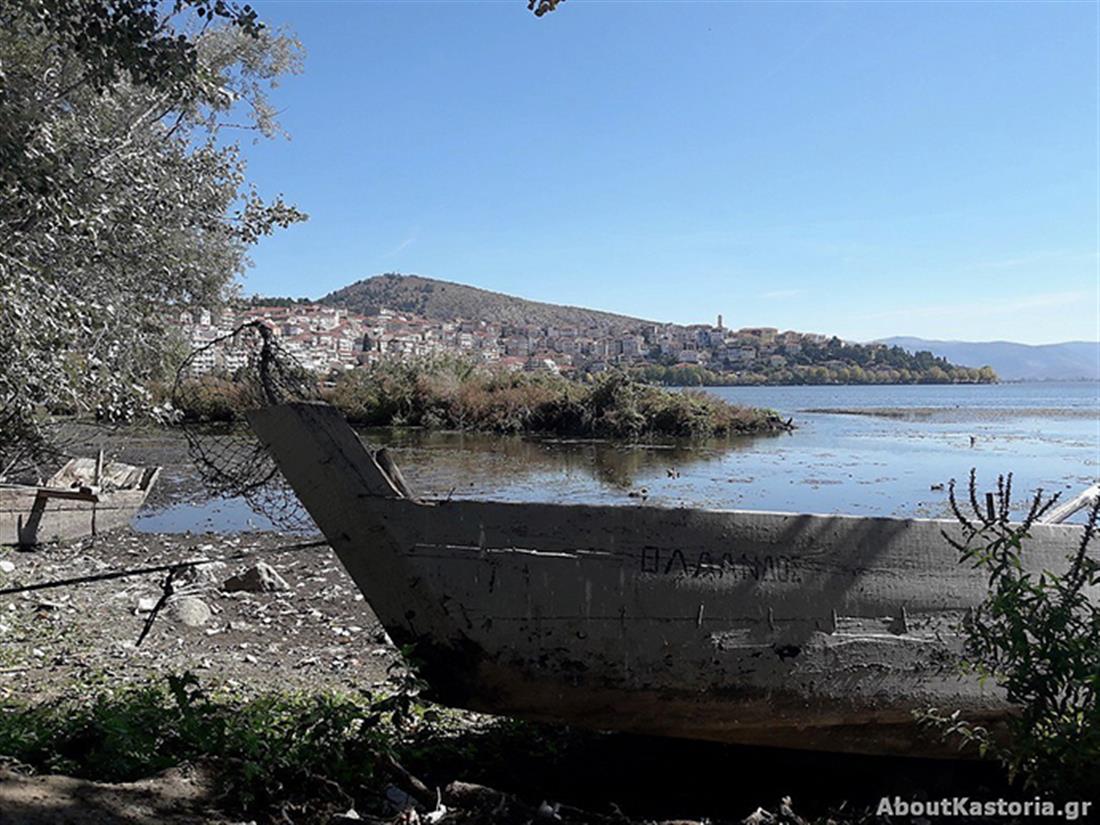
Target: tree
541, 7
123, 198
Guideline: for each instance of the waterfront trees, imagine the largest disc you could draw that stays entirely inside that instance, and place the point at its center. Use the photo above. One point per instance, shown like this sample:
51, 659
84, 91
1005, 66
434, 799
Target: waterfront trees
123, 194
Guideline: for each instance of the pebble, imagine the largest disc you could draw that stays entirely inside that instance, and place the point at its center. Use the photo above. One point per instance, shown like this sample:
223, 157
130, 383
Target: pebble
548, 813
190, 611
6, 566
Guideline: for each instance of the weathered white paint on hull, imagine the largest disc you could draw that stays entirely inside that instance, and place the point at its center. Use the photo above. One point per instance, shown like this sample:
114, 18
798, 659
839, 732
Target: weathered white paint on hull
34, 515
811, 631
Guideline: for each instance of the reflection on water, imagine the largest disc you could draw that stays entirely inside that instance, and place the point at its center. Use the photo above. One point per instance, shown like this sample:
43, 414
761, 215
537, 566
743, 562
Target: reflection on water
1048, 435
476, 465
465, 464
219, 515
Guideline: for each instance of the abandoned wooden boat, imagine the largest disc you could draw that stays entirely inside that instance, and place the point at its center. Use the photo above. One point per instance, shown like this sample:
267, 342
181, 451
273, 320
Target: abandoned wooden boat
83, 498
807, 631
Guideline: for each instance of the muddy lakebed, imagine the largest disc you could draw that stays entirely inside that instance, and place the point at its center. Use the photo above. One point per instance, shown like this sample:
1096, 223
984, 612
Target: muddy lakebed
860, 450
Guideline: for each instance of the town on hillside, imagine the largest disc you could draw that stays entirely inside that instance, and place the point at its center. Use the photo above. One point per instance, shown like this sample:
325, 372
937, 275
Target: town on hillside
325, 339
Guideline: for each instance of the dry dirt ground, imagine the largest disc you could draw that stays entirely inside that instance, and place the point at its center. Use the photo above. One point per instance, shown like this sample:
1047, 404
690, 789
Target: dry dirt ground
316, 633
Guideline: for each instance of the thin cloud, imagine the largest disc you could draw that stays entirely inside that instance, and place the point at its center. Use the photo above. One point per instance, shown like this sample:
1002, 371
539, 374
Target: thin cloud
405, 244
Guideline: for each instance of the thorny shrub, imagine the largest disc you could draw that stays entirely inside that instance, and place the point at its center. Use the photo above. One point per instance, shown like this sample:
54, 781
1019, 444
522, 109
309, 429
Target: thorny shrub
1037, 637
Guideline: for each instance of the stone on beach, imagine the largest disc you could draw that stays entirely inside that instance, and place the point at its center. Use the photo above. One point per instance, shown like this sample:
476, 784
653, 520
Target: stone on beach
262, 578
203, 575
190, 611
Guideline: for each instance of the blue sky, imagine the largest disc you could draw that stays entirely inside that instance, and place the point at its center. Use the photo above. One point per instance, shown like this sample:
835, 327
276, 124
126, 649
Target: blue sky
865, 169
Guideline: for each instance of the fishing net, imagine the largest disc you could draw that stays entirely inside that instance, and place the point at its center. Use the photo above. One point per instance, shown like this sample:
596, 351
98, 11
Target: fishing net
241, 370
34, 457
33, 452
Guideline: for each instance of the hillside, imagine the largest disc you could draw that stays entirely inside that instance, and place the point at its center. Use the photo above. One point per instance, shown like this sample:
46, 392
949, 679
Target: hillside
1070, 361
532, 335
443, 300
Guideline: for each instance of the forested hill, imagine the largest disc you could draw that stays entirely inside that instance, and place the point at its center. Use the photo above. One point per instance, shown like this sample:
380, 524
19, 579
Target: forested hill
443, 301
811, 360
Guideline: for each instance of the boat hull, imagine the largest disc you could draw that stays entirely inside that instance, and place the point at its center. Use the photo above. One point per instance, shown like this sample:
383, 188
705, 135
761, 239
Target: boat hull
819, 632
59, 511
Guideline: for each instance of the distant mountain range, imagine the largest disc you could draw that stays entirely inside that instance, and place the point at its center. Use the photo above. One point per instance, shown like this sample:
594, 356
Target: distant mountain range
1071, 361
443, 300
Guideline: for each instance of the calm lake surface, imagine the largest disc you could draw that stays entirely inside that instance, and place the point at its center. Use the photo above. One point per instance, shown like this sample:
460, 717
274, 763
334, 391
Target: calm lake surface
865, 450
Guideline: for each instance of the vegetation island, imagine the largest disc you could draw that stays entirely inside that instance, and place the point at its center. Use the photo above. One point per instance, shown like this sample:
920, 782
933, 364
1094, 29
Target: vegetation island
452, 393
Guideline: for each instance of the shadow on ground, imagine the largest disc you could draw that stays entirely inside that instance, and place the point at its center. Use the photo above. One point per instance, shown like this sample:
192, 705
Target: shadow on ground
653, 778
175, 797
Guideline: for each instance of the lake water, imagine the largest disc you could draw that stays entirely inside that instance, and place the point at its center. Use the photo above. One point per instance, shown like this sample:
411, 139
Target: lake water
865, 450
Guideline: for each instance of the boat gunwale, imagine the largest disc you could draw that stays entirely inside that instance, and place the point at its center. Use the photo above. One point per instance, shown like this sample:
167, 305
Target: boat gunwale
443, 502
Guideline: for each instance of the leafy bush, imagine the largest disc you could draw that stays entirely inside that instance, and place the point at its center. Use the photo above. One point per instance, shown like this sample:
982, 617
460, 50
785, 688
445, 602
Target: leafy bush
213, 398
83, 309
1038, 638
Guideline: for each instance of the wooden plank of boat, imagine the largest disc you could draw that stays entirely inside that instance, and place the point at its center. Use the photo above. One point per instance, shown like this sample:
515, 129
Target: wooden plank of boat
68, 507
89, 494
1086, 498
810, 631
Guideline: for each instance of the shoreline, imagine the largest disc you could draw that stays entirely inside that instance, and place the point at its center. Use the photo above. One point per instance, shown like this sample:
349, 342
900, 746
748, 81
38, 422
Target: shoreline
956, 414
